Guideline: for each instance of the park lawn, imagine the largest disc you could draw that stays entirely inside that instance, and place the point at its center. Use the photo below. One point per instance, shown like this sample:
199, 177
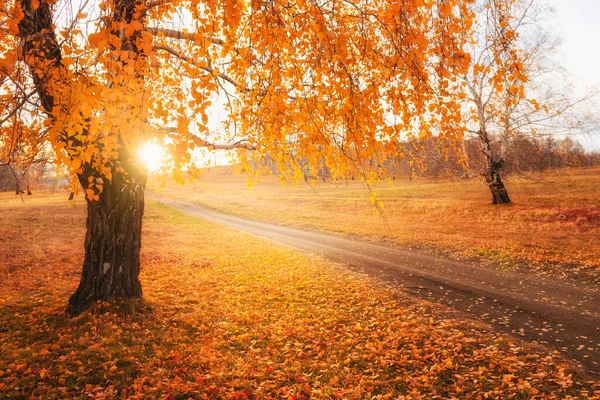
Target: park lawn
552, 226
227, 315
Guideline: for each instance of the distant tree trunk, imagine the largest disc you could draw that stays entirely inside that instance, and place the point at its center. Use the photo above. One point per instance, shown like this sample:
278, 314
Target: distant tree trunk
27, 175
492, 174
494, 182
112, 244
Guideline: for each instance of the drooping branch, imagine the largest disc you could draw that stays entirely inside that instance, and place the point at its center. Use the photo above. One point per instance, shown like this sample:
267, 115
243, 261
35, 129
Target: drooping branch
187, 59
173, 34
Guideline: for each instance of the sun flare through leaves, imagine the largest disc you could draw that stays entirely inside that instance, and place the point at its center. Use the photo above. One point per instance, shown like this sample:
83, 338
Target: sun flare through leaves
152, 155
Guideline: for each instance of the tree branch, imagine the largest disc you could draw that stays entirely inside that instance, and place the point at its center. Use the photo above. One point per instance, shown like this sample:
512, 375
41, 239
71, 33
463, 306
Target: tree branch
153, 3
236, 145
187, 59
240, 144
18, 106
173, 34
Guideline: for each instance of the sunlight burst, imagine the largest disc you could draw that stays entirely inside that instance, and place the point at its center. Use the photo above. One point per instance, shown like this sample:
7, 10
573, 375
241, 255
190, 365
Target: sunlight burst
152, 155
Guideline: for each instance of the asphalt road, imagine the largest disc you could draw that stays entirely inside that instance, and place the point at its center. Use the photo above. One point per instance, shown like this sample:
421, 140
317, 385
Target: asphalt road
559, 313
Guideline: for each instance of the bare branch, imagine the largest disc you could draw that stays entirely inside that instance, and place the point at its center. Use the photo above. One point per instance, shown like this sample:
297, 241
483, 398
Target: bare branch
232, 146
240, 144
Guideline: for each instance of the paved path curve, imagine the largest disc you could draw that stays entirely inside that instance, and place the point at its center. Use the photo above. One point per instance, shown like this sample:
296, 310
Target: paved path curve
556, 312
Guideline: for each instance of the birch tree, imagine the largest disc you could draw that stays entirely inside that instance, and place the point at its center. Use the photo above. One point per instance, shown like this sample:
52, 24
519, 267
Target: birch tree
311, 80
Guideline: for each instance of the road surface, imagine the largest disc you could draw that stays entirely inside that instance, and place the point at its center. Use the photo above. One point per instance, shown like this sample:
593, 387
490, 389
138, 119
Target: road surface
559, 313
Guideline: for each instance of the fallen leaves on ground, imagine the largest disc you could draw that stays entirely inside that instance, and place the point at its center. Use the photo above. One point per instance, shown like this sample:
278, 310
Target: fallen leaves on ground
228, 315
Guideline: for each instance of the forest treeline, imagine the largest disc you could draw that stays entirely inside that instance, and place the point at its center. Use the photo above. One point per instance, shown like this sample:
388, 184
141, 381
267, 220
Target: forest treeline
441, 158
435, 158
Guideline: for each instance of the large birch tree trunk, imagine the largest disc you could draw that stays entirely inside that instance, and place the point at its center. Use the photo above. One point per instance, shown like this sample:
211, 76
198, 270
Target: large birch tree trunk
111, 265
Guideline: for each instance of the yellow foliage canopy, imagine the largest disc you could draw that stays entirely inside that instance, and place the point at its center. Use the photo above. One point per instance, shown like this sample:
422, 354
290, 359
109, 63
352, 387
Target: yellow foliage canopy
306, 82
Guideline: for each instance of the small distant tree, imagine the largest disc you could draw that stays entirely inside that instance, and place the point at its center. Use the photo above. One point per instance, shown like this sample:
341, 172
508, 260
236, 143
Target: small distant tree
333, 83
496, 81
516, 87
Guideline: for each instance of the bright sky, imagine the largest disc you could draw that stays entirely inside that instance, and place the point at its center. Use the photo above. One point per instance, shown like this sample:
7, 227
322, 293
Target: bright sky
577, 25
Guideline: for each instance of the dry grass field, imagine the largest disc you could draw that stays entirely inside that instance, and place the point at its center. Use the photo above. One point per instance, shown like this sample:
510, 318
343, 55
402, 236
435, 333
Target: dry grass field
552, 226
227, 315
